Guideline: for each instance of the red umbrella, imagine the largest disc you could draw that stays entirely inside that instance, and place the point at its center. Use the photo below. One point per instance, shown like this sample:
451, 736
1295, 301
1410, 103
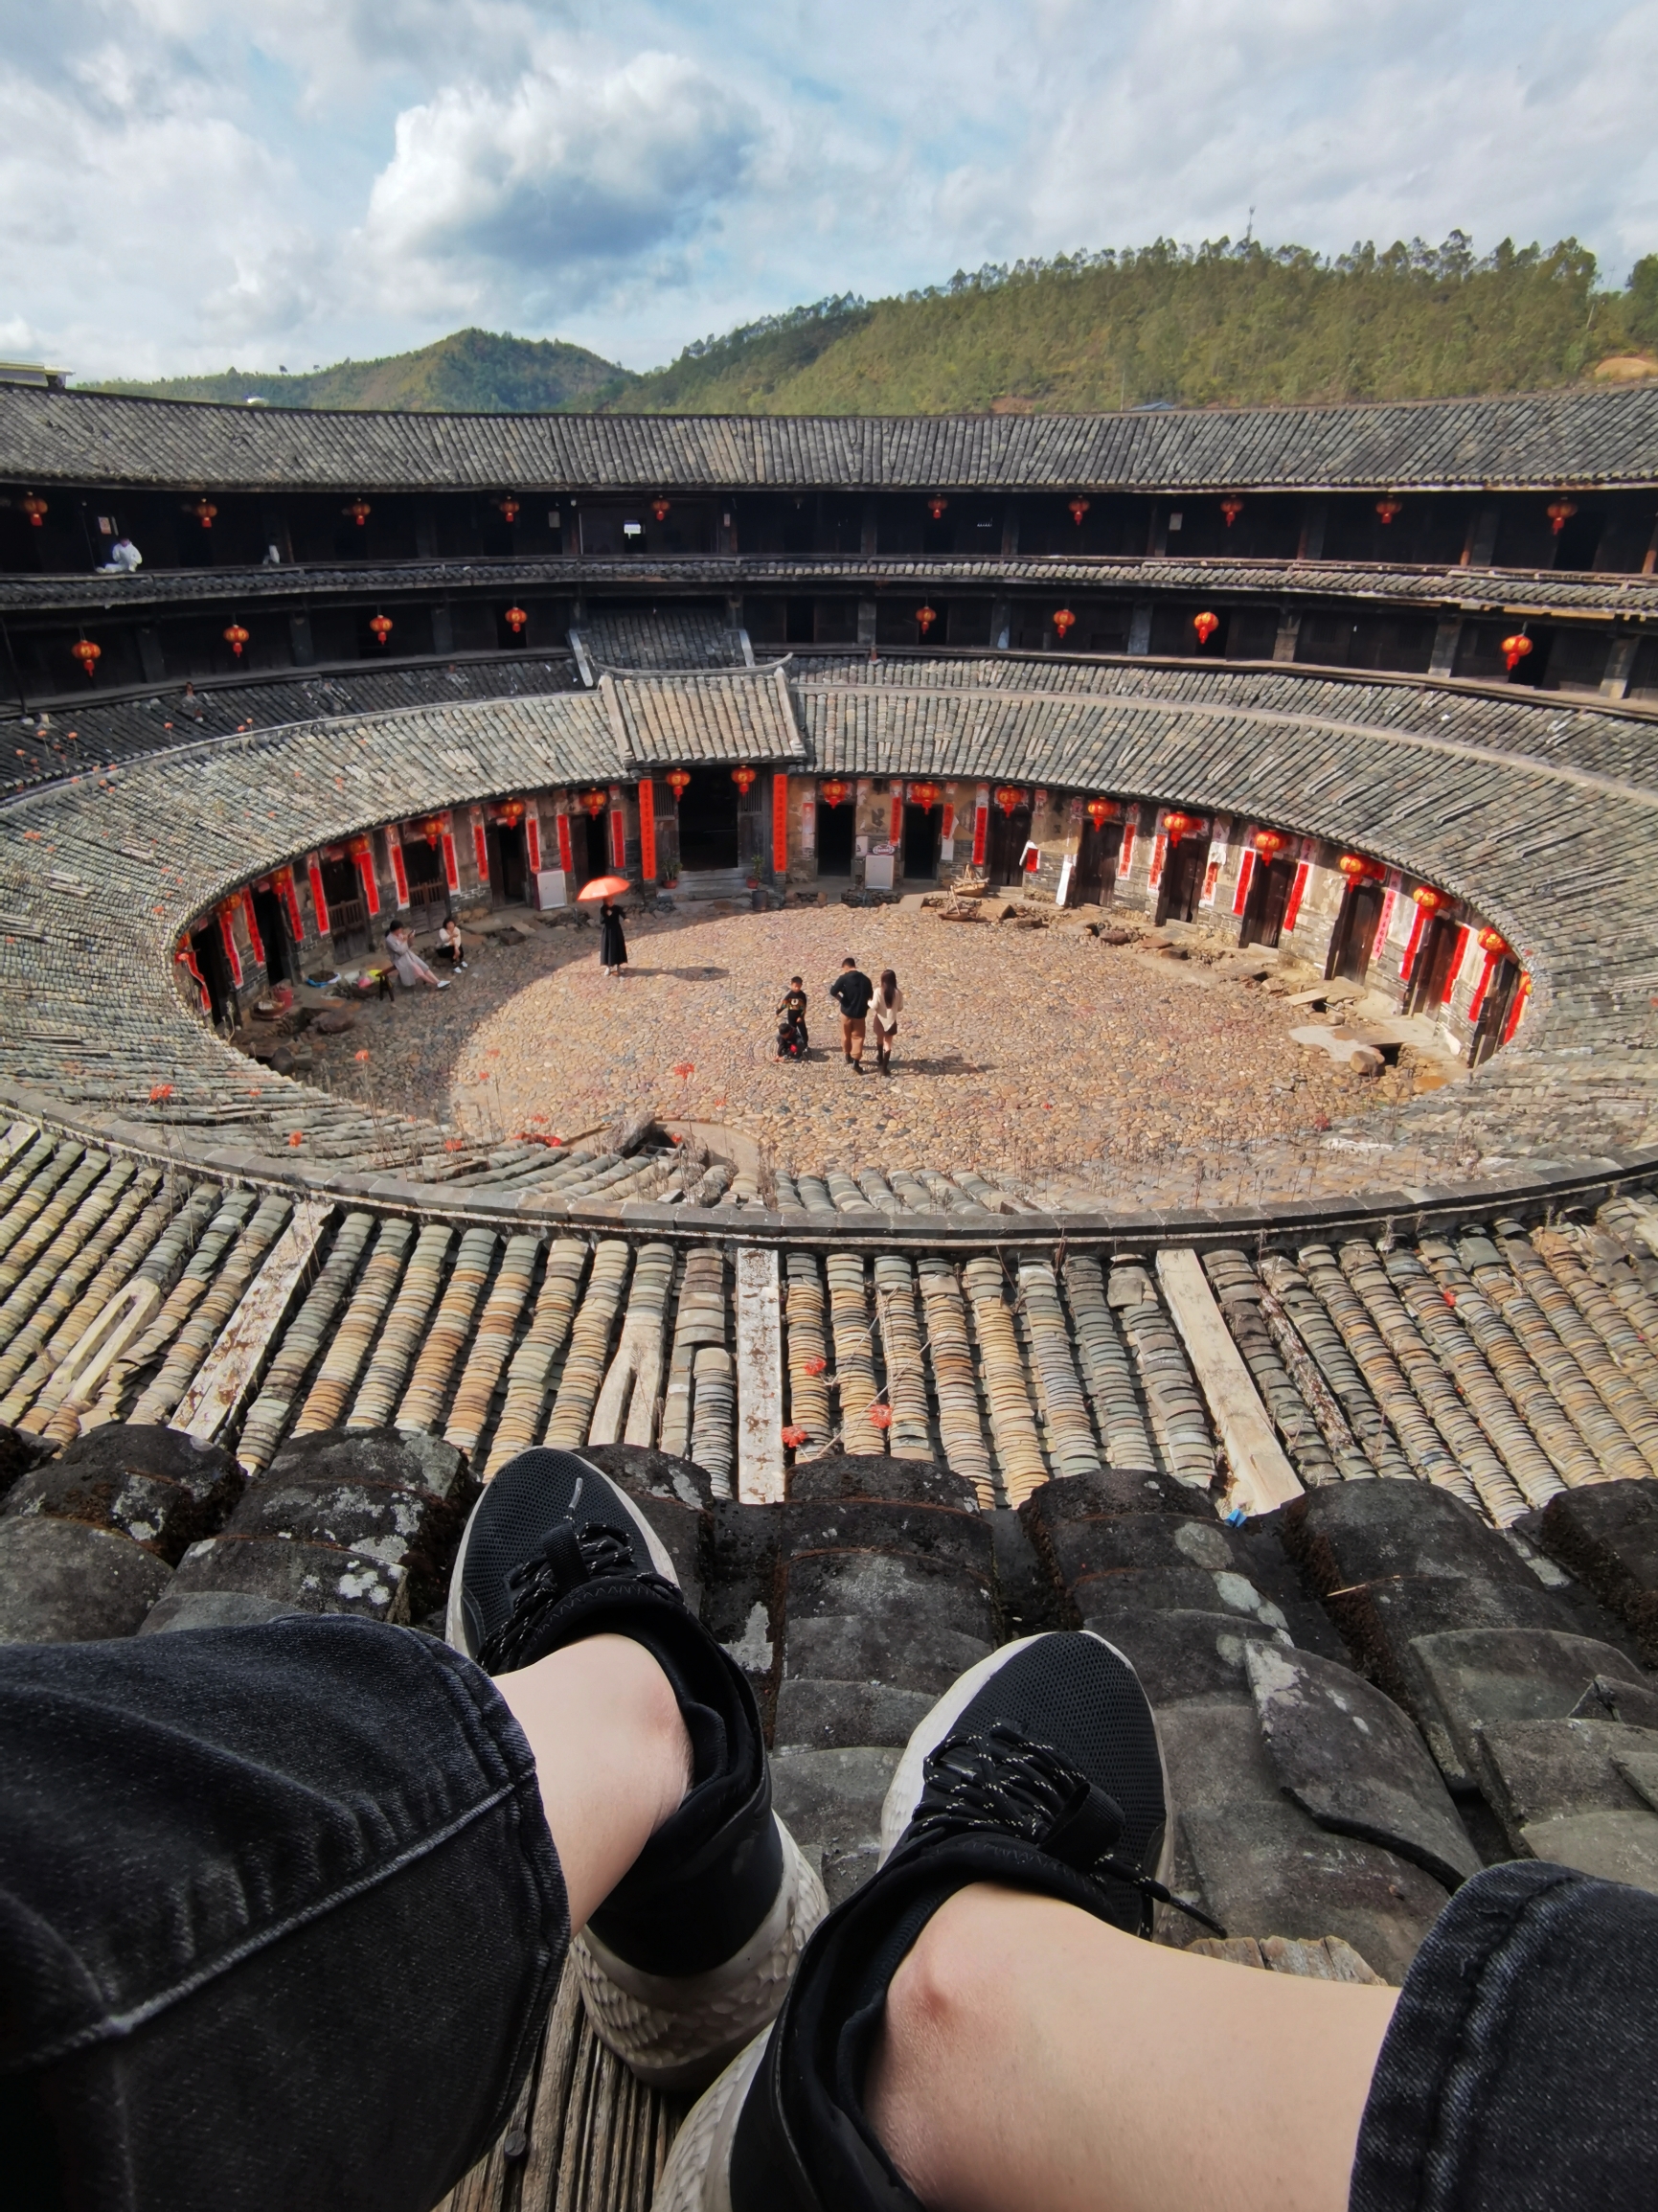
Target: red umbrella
604, 887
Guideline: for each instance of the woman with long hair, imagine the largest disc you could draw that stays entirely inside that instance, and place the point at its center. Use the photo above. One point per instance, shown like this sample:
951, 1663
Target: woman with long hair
884, 1009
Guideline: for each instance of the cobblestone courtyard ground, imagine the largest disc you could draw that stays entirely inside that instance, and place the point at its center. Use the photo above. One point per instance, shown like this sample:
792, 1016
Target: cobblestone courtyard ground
1022, 1050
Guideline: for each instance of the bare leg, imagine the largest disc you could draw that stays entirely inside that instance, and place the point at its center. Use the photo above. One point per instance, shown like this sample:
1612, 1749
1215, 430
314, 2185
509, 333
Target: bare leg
611, 1755
1033, 2057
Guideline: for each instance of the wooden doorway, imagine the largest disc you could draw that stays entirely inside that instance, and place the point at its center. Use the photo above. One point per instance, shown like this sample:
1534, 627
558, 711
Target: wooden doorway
1354, 940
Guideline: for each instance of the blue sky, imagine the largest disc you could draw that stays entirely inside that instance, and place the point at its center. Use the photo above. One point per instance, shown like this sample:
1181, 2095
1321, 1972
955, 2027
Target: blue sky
185, 183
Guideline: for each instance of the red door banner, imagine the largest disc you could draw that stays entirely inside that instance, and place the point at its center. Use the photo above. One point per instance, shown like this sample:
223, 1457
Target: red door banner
1456, 968
532, 839
1297, 890
253, 936
648, 828
481, 851
564, 860
780, 822
618, 832
400, 870
227, 937
1245, 874
288, 892
319, 905
981, 823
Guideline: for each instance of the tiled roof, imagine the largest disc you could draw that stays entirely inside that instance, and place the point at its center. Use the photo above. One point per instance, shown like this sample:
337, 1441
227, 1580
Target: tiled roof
1538, 440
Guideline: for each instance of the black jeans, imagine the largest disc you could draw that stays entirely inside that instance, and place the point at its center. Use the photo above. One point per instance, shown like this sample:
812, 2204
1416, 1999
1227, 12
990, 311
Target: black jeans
280, 1920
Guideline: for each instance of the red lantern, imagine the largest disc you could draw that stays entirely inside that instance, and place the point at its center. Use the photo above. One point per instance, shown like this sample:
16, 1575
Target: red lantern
1205, 625
1100, 812
236, 637
594, 803
1514, 650
1079, 508
1177, 826
659, 507
1559, 512
936, 506
1270, 843
507, 502
381, 627
1231, 506
1358, 866
515, 619
744, 778
834, 792
1493, 942
87, 655
1389, 507
1009, 796
204, 512
1430, 900
35, 506
1063, 622
359, 511
678, 781
924, 795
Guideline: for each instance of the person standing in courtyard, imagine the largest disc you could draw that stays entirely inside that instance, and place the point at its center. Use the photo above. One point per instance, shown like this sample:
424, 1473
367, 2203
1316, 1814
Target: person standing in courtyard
851, 991
884, 1009
612, 945
410, 967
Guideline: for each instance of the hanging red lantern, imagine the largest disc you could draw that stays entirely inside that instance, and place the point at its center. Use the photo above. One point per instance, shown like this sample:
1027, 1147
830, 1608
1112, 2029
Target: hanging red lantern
1205, 625
515, 619
1177, 824
834, 792
1100, 812
507, 504
926, 617
35, 506
925, 795
1009, 797
87, 653
1430, 900
359, 511
744, 778
1231, 507
1064, 621
1493, 942
678, 781
381, 627
1559, 512
1389, 507
236, 637
1079, 508
1358, 866
936, 506
1270, 843
1514, 650
659, 507
594, 803
204, 512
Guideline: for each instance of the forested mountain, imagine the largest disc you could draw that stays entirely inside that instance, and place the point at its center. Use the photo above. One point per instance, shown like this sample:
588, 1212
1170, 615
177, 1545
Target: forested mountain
1220, 323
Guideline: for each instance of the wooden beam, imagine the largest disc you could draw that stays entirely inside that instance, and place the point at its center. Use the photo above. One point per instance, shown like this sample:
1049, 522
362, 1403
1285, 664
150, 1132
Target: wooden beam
1261, 1477
232, 1369
759, 1460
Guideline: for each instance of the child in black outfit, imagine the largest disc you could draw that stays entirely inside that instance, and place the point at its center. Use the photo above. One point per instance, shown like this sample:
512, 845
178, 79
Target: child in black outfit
792, 1034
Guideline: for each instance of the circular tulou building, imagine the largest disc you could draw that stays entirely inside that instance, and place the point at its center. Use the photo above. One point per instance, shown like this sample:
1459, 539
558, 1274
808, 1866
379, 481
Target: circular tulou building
1286, 779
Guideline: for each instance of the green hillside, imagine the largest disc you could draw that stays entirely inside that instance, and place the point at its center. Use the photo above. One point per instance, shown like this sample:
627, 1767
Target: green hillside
470, 372
1214, 325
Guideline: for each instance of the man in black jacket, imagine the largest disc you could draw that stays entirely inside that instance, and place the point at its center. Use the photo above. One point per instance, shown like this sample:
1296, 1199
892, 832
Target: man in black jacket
853, 991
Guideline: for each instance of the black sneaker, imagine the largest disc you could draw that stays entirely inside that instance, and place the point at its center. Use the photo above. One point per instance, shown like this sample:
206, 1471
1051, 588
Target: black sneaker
691, 1953
1039, 1770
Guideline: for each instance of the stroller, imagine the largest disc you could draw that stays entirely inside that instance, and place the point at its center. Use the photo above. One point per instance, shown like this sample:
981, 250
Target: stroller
791, 1037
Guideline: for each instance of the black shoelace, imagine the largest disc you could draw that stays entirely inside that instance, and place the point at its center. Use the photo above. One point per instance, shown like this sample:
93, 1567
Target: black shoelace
569, 1558
1000, 1782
